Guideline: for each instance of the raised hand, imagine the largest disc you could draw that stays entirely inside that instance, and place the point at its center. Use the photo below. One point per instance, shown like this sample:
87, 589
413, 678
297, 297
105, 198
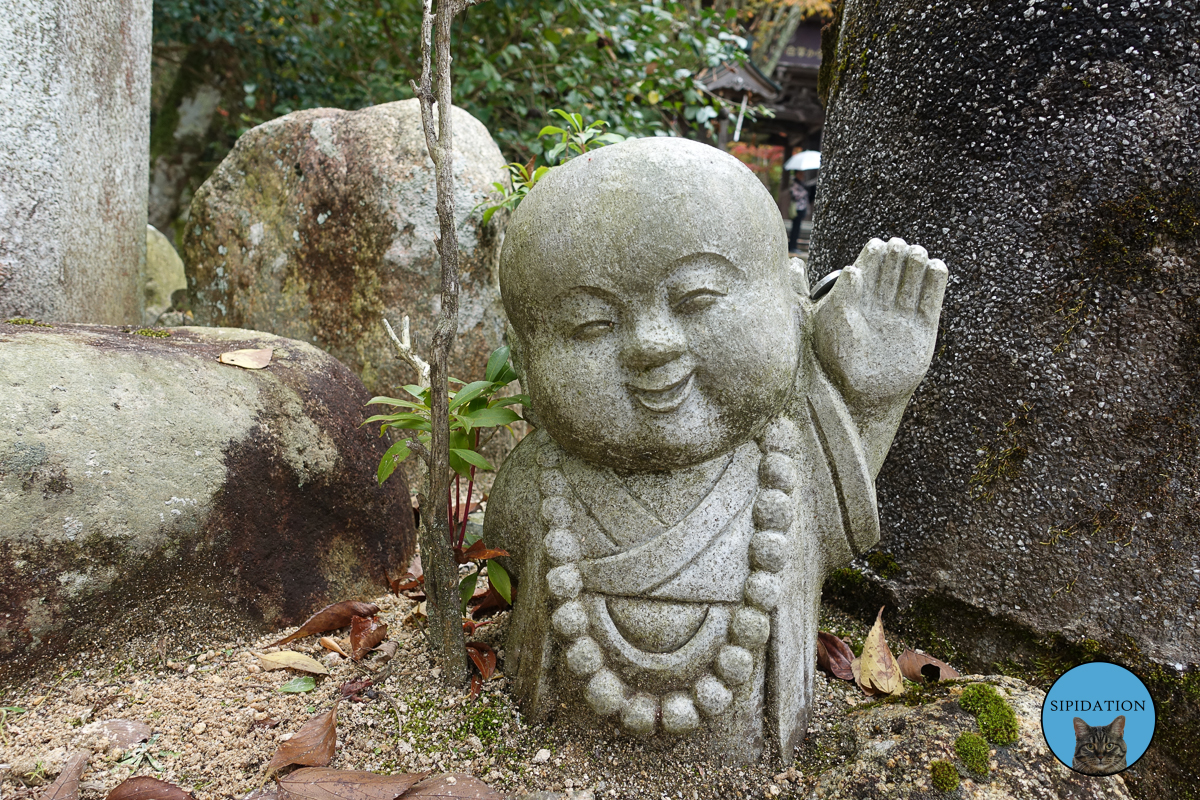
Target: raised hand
875, 332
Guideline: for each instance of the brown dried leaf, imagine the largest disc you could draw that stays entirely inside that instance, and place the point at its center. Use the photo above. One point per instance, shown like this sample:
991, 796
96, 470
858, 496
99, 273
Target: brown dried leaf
481, 552
266, 722
312, 746
247, 359
125, 732
387, 651
365, 633
453, 786
834, 656
66, 787
330, 618
409, 580
922, 668
331, 644
350, 690
290, 659
476, 685
317, 783
484, 657
878, 670
492, 601
143, 787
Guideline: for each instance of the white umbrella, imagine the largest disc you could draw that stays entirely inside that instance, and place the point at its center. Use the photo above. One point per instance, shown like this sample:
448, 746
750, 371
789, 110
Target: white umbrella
804, 160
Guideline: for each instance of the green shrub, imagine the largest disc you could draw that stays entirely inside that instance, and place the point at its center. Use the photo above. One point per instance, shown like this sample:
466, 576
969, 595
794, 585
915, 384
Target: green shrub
945, 776
996, 718
973, 751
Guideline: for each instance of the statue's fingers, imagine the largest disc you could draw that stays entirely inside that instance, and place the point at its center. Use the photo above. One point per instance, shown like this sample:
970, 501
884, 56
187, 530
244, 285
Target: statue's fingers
890, 272
848, 289
911, 279
933, 289
870, 258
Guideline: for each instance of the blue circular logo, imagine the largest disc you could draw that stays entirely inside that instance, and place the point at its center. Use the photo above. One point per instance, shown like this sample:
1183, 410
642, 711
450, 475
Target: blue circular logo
1098, 718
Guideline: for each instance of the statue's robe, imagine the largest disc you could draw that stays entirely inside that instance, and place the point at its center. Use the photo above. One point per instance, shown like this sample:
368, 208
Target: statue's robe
639, 569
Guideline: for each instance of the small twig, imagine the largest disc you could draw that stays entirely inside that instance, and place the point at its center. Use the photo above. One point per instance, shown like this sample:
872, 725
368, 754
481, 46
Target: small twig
404, 346
395, 707
416, 446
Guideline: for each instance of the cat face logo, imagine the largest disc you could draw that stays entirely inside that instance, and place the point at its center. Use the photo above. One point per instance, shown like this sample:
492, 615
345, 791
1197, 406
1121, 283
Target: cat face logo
1098, 719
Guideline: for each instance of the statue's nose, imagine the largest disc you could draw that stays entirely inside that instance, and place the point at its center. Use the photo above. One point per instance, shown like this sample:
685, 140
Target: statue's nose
652, 343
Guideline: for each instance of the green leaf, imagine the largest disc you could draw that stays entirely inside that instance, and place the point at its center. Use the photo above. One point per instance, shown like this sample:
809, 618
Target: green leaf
516, 399
496, 362
471, 457
419, 392
498, 578
394, 455
300, 683
469, 393
491, 417
466, 588
550, 130
391, 401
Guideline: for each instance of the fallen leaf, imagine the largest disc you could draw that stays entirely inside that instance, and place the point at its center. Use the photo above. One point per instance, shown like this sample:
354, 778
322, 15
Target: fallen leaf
265, 722
365, 633
455, 786
311, 746
491, 601
247, 359
263, 793
922, 668
481, 552
125, 732
290, 659
351, 689
331, 644
834, 656
300, 683
330, 618
877, 671
66, 787
143, 787
409, 580
320, 783
484, 657
387, 651
476, 685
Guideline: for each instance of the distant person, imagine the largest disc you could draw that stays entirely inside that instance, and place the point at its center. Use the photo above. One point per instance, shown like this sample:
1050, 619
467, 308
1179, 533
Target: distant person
801, 202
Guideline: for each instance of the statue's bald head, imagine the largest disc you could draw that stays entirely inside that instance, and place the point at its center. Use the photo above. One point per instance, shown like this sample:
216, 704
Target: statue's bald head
629, 206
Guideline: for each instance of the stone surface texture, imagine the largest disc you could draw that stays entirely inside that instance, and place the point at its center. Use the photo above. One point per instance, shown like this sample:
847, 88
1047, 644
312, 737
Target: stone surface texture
1045, 478
892, 745
319, 224
74, 144
136, 468
692, 400
163, 276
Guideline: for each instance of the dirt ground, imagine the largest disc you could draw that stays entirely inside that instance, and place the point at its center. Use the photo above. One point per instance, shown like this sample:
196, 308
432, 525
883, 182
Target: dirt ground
217, 718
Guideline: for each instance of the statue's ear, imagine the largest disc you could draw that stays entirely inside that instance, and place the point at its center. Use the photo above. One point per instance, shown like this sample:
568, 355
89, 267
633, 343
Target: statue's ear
798, 271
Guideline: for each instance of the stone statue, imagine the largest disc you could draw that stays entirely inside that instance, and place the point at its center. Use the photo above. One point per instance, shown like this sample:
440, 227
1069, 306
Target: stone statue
707, 442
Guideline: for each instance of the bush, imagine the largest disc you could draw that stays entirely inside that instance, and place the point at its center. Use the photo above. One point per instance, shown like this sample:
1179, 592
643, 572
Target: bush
996, 718
973, 751
945, 776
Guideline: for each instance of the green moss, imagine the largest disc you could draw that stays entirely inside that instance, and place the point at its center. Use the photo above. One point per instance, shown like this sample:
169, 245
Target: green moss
973, 751
152, 332
829, 46
482, 721
1003, 457
945, 776
996, 718
27, 321
884, 563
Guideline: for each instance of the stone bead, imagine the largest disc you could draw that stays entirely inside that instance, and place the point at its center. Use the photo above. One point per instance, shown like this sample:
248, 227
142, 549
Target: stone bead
551, 482
564, 582
562, 546
777, 471
605, 693
750, 628
547, 456
762, 590
781, 435
679, 714
735, 665
769, 551
772, 510
712, 697
556, 512
640, 714
584, 657
570, 620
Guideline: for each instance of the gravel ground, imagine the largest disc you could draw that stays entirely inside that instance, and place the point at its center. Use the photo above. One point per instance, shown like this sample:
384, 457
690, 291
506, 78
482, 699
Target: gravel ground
217, 718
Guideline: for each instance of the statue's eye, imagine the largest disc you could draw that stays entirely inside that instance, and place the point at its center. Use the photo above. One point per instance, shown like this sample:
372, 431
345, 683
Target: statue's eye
697, 300
592, 330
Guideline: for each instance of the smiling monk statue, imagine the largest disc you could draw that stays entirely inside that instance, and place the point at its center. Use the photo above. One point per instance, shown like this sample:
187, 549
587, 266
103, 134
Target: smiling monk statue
708, 436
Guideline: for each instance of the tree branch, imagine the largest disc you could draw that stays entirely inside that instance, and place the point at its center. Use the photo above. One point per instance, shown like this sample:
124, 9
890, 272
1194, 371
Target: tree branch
404, 346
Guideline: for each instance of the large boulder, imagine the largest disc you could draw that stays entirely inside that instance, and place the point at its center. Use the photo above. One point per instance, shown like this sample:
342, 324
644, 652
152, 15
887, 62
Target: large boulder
1041, 493
139, 475
319, 224
163, 277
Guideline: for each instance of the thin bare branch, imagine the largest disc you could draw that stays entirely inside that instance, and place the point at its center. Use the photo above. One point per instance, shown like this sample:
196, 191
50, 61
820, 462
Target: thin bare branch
405, 349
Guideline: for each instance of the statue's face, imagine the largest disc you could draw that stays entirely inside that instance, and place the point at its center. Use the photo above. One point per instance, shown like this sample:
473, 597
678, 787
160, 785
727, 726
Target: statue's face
659, 330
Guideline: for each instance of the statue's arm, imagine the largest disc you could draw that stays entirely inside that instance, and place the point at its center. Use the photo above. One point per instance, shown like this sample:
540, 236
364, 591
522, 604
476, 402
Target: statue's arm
874, 336
514, 505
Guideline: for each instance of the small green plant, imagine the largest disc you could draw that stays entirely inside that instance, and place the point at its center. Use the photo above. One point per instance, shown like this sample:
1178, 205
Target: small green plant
27, 321
141, 753
5, 712
945, 776
973, 751
883, 563
153, 332
996, 719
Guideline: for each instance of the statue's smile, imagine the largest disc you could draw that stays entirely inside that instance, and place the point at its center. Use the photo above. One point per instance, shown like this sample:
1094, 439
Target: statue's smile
666, 398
